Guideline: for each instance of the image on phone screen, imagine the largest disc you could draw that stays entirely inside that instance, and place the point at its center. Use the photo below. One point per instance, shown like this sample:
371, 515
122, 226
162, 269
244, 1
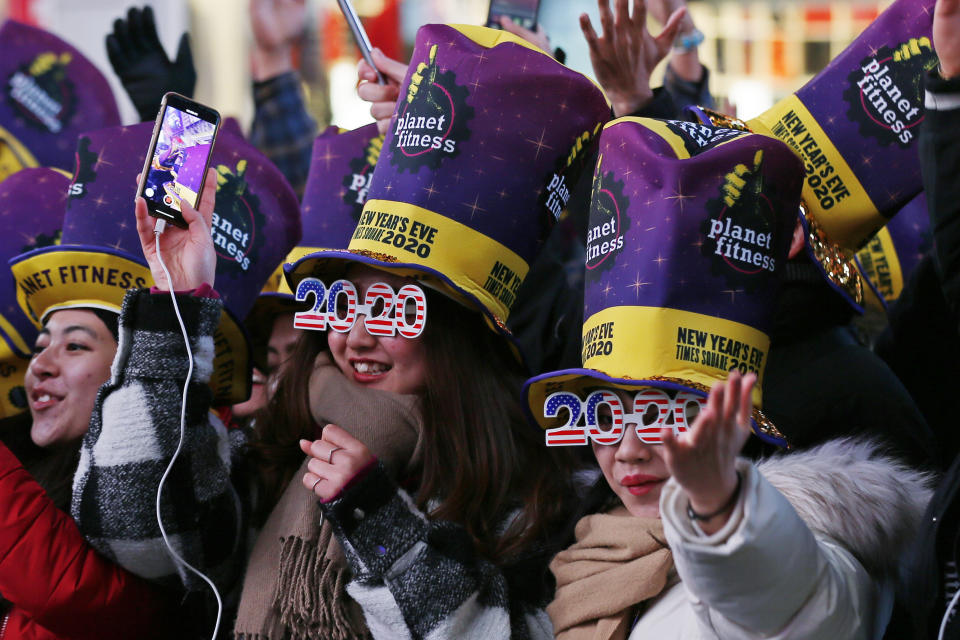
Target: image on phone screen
177, 168
522, 12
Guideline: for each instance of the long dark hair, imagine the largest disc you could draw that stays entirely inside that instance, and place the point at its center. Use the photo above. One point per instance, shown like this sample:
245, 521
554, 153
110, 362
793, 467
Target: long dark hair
482, 460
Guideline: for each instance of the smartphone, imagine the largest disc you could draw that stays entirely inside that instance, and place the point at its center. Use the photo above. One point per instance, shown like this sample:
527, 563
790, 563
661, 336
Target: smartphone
359, 35
178, 157
522, 12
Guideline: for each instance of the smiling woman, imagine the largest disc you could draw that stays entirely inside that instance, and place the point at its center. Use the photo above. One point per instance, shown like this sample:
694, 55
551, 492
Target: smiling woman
392, 363
71, 360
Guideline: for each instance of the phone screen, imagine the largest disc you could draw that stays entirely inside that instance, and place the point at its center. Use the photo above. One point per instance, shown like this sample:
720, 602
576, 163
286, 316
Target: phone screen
176, 170
523, 12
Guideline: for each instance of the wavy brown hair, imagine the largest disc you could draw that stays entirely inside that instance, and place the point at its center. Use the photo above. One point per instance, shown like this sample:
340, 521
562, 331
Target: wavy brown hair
482, 460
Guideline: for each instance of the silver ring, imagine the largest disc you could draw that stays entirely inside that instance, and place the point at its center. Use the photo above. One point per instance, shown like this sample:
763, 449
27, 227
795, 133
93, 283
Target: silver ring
333, 451
314, 487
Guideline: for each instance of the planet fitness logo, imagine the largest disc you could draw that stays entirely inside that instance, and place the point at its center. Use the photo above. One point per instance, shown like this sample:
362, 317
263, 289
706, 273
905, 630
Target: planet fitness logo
357, 182
41, 92
885, 93
739, 231
432, 118
238, 225
566, 171
608, 222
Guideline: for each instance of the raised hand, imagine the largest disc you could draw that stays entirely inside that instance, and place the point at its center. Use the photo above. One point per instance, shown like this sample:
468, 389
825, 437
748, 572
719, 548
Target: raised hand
138, 59
188, 253
335, 459
946, 36
276, 25
625, 55
383, 96
703, 460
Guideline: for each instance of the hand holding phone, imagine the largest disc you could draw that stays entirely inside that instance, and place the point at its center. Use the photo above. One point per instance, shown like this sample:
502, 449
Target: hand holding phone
383, 97
178, 157
190, 255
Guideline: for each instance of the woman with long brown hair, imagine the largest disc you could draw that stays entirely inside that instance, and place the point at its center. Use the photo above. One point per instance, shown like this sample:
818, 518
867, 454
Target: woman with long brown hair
436, 500
445, 422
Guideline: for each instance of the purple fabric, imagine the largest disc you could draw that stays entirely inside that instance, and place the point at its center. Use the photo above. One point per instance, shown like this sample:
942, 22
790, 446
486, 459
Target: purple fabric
505, 120
665, 209
337, 186
32, 203
255, 224
843, 99
51, 94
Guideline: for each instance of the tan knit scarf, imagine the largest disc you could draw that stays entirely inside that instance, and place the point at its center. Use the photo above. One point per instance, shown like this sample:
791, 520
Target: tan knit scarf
617, 562
295, 585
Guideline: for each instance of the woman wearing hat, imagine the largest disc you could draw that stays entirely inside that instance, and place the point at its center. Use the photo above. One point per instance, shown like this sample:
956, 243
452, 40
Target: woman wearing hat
466, 203
433, 497
84, 291
683, 539
53, 583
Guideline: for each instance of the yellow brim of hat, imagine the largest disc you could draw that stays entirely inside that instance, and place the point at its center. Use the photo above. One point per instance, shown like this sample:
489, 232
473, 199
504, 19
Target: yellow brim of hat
78, 276
465, 264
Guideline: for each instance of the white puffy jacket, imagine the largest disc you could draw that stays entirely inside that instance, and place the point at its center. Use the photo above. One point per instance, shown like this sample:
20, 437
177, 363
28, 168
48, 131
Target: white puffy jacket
811, 550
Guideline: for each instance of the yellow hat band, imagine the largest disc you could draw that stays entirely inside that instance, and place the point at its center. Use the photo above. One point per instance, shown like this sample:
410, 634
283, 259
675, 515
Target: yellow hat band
68, 278
880, 266
831, 190
649, 342
476, 264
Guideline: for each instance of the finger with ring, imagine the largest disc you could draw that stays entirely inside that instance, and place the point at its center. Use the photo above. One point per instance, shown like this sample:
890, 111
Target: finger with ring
333, 451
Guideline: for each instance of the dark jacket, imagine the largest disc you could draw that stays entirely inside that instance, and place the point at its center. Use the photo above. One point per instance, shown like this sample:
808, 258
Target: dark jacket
923, 344
822, 382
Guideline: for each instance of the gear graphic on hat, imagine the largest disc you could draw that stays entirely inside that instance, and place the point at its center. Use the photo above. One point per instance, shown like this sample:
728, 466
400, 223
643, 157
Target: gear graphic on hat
238, 226
884, 92
738, 232
357, 181
432, 118
42, 93
86, 171
608, 223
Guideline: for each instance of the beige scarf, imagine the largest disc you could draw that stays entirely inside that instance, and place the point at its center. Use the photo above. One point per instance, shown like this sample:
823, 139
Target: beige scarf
617, 562
295, 585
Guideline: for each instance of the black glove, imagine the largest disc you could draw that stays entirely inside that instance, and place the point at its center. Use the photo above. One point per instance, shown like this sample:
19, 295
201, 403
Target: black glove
141, 63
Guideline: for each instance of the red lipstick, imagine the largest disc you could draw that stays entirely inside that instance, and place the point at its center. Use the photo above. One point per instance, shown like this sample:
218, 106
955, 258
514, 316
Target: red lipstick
641, 484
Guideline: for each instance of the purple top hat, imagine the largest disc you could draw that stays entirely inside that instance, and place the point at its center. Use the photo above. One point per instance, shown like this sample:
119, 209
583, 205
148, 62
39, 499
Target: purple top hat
855, 125
341, 169
32, 202
474, 170
104, 258
51, 93
689, 230
890, 256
